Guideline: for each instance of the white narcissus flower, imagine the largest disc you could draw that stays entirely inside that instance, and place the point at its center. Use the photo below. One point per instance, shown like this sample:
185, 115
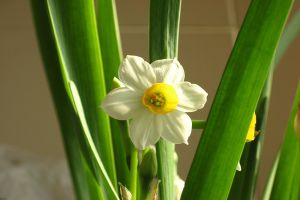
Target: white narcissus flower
156, 98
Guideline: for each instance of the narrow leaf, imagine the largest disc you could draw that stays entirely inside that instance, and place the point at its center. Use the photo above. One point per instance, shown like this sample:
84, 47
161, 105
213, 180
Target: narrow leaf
223, 139
287, 169
270, 181
91, 146
109, 38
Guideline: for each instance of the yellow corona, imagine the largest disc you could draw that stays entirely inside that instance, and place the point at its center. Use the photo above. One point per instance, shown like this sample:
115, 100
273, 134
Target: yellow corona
160, 98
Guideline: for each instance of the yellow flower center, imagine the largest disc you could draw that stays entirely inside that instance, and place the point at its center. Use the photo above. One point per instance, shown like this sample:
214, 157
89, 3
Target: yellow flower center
160, 98
251, 131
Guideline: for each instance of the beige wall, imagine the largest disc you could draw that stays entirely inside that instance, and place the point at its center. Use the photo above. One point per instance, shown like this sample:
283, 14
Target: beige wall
208, 28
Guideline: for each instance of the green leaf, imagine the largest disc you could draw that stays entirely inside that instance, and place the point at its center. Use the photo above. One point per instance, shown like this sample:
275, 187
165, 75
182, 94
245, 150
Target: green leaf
245, 181
75, 32
164, 29
270, 181
287, 173
109, 38
295, 191
85, 187
92, 151
223, 139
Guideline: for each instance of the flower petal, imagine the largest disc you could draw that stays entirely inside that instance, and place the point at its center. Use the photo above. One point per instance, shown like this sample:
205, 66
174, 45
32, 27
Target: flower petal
239, 167
136, 73
168, 71
177, 127
122, 103
191, 97
143, 130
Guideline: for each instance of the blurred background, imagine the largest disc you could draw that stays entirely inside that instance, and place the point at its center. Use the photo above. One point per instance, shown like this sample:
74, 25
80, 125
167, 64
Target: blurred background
207, 34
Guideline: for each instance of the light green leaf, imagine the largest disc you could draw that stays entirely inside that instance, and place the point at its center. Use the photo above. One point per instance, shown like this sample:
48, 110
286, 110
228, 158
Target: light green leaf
75, 32
223, 139
245, 181
112, 194
85, 187
109, 38
270, 181
164, 29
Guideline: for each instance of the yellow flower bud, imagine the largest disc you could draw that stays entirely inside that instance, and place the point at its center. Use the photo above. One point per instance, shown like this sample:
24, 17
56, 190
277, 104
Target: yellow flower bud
251, 131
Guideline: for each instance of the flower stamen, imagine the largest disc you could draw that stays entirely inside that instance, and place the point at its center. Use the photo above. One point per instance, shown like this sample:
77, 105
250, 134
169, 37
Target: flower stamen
160, 98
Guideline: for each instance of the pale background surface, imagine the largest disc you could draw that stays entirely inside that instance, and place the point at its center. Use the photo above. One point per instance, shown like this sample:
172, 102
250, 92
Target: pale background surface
208, 29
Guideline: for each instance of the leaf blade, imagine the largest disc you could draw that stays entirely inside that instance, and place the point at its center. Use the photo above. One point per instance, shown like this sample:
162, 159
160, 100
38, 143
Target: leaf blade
68, 121
245, 181
223, 138
92, 151
75, 32
288, 159
111, 51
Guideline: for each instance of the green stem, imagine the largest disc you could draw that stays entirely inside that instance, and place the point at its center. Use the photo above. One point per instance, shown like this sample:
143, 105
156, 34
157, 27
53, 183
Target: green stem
198, 124
133, 173
163, 36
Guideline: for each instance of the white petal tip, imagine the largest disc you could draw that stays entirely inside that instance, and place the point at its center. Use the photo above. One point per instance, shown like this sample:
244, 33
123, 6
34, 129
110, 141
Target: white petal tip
238, 167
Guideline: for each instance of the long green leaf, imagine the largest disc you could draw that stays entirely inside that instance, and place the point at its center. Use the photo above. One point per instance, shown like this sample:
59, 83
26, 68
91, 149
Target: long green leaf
222, 142
75, 31
91, 146
287, 169
268, 188
245, 182
85, 188
109, 38
164, 29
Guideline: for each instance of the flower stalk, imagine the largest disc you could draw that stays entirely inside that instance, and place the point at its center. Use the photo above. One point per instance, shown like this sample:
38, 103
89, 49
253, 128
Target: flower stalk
164, 29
